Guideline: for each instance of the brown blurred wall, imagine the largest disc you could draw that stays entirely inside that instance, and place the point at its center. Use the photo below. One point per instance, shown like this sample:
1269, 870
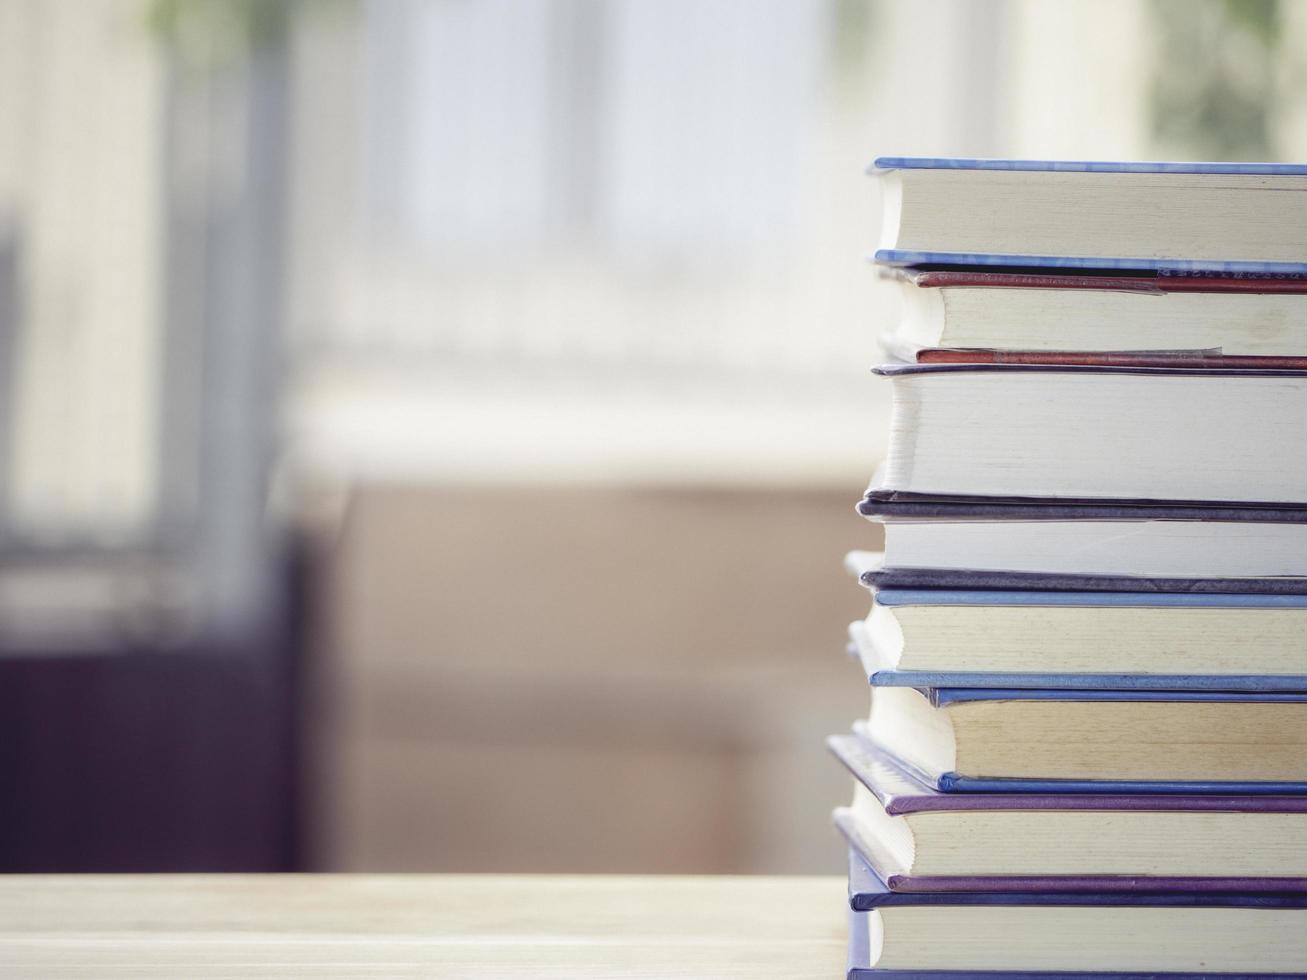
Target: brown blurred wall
562, 678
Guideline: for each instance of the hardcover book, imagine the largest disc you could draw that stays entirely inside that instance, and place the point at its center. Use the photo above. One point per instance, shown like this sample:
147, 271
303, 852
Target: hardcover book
897, 936
1105, 434
866, 943
1142, 320
1160, 641
1205, 217
1078, 741
1115, 542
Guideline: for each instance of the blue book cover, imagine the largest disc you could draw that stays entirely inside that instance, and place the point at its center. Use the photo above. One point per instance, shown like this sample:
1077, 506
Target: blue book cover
943, 697
900, 258
1091, 166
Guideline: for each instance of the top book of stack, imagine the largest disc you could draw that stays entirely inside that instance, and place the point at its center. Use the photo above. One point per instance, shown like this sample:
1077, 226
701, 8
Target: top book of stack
1180, 217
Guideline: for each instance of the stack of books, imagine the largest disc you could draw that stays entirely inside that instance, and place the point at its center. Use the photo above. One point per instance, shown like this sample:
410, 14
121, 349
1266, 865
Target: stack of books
1087, 747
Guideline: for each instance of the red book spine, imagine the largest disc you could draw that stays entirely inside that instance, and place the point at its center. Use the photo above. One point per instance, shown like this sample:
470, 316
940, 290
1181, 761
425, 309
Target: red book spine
1140, 284
1154, 359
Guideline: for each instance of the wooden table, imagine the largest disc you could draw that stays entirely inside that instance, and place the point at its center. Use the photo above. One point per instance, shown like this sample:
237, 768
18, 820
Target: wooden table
198, 926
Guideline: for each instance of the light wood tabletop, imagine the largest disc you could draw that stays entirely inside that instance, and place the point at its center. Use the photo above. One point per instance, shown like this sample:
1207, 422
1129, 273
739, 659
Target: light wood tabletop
200, 926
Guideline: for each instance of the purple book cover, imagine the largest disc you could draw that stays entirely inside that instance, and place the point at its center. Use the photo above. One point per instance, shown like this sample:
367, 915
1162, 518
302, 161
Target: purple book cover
901, 794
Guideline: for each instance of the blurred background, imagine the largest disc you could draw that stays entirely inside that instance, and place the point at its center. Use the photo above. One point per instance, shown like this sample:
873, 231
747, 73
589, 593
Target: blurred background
429, 429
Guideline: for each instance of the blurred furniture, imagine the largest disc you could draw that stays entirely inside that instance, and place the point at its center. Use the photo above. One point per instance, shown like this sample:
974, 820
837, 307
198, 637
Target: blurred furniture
583, 678
149, 603
475, 926
130, 749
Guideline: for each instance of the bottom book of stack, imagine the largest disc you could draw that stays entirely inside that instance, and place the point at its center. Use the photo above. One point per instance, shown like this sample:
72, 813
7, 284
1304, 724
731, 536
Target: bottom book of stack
1152, 935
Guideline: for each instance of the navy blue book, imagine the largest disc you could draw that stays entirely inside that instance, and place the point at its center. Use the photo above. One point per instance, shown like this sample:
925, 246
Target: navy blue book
1145, 641
1022, 936
919, 840
1077, 741
1229, 218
